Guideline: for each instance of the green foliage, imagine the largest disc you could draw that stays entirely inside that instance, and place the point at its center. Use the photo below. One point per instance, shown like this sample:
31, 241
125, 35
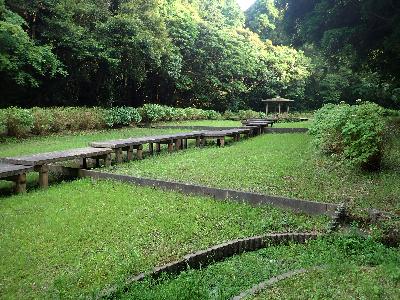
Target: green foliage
152, 112
354, 133
22, 60
3, 124
248, 114
44, 121
122, 116
19, 122
123, 53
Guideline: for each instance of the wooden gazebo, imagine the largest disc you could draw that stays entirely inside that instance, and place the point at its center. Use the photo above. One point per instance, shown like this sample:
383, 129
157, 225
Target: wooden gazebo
278, 101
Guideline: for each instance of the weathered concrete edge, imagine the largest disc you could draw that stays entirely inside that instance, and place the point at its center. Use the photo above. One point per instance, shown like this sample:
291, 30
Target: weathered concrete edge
305, 206
213, 254
263, 285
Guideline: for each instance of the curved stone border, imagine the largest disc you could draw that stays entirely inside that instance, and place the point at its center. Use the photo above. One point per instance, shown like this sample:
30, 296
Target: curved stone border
263, 285
305, 206
213, 254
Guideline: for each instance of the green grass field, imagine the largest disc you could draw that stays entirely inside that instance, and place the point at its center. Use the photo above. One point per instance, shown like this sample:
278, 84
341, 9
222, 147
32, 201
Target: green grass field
277, 164
39, 144
353, 268
75, 238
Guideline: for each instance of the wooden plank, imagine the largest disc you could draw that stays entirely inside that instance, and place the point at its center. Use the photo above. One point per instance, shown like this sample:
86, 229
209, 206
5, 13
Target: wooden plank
8, 170
50, 157
120, 143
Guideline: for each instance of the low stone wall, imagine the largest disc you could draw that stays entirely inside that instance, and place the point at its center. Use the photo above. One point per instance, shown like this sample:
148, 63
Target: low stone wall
308, 207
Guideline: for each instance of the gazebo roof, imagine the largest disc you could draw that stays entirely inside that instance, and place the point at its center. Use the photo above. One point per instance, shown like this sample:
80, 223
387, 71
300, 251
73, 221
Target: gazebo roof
278, 100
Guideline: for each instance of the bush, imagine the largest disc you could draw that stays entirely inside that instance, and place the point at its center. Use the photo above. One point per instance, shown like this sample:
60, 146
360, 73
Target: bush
43, 121
248, 114
212, 115
3, 125
353, 132
75, 118
122, 116
18, 122
152, 113
230, 115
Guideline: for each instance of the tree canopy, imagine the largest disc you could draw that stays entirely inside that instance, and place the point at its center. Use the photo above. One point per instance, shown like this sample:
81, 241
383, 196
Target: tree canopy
354, 45
204, 53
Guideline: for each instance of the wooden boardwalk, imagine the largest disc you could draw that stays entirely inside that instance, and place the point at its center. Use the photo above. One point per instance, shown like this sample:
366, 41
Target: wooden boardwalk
40, 161
16, 174
15, 168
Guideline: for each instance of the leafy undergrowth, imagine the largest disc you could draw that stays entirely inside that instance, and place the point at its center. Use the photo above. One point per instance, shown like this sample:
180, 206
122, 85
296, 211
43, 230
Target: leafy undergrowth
341, 256
278, 164
75, 238
15, 147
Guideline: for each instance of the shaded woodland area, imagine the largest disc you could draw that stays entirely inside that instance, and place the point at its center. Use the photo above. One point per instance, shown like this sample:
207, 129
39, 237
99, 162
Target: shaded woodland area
208, 54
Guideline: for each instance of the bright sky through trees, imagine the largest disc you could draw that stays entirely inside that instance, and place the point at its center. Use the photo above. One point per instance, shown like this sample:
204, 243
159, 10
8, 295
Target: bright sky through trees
245, 4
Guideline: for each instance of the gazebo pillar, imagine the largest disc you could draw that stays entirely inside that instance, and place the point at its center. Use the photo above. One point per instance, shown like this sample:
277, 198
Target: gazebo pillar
279, 108
288, 108
266, 109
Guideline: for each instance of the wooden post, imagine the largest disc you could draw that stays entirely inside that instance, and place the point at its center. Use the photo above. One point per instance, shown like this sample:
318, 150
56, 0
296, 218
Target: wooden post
97, 162
288, 109
43, 175
279, 108
170, 146
20, 183
203, 142
118, 155
129, 153
266, 109
151, 150
178, 143
139, 152
198, 141
221, 142
107, 160
185, 144
84, 163
158, 147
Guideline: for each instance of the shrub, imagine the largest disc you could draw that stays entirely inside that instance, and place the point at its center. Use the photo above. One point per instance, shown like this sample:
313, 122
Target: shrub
18, 121
43, 121
230, 115
121, 116
351, 132
212, 115
152, 113
248, 114
3, 125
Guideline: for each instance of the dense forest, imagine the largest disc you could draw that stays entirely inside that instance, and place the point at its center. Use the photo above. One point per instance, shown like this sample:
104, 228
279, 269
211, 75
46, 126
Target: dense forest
203, 53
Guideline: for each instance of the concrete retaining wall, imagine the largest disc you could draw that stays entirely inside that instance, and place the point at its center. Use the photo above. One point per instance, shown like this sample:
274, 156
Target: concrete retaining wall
309, 207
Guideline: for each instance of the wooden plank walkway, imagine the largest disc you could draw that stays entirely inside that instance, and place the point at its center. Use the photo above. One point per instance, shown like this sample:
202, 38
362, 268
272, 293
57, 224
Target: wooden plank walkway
16, 174
15, 168
128, 145
40, 161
